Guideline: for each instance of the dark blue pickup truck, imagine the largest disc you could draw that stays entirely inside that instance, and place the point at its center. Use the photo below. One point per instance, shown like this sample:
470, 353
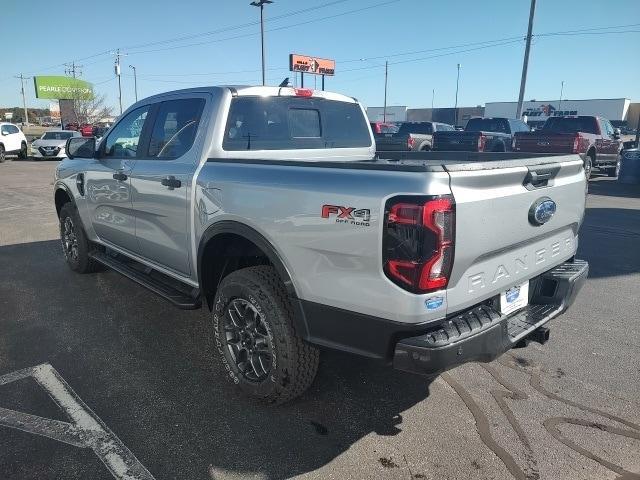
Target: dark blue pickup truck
481, 135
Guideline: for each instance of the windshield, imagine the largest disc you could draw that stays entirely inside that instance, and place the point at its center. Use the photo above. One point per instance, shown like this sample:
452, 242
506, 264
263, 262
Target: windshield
570, 125
487, 125
57, 135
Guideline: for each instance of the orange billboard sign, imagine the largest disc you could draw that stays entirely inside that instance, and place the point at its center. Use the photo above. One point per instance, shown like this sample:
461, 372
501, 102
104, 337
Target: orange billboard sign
312, 65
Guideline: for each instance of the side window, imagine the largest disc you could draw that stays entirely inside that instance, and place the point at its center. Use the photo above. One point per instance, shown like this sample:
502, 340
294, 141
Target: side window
175, 127
123, 139
5, 129
609, 128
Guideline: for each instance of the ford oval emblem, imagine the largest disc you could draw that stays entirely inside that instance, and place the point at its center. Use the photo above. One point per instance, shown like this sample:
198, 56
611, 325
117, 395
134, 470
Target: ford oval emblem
541, 211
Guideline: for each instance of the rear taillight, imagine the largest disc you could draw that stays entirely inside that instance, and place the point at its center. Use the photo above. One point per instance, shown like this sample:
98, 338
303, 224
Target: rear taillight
481, 141
418, 242
410, 142
576, 144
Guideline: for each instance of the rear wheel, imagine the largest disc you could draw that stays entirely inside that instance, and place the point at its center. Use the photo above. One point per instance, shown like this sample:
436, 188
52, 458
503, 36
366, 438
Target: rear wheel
615, 171
425, 148
261, 351
588, 165
3, 156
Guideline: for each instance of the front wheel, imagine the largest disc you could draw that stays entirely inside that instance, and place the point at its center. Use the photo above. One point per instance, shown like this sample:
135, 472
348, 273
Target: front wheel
75, 245
3, 156
23, 151
261, 351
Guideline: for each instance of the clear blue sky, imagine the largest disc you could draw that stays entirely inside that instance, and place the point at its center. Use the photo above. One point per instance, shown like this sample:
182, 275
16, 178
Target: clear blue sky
593, 65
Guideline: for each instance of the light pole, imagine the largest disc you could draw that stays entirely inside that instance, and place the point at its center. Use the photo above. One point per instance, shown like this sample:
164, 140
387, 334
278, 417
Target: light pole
261, 4
560, 101
525, 63
386, 76
457, 86
433, 96
135, 81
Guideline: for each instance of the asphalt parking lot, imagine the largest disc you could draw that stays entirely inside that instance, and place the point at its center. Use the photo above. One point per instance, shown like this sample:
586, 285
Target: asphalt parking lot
567, 410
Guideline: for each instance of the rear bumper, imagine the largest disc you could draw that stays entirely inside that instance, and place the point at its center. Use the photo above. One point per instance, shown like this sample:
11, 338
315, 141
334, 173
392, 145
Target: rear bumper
483, 334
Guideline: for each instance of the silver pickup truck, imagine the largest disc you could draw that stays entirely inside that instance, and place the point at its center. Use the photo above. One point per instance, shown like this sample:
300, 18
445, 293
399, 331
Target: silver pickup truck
268, 206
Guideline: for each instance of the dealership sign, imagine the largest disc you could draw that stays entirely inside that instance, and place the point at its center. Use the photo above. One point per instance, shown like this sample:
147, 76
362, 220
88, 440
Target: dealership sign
62, 88
312, 65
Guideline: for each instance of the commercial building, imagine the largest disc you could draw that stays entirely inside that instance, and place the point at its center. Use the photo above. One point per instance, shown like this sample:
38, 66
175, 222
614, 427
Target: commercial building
619, 110
537, 112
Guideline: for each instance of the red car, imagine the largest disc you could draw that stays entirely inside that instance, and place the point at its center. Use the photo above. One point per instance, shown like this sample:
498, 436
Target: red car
593, 138
86, 130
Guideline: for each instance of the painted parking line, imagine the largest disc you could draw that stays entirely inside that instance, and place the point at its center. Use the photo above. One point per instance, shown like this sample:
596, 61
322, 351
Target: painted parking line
86, 430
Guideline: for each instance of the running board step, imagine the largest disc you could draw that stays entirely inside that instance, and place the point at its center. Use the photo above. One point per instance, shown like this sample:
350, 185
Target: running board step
157, 282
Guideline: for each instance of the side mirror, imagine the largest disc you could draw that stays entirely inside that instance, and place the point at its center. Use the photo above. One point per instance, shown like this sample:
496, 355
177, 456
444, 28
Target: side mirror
616, 133
81, 147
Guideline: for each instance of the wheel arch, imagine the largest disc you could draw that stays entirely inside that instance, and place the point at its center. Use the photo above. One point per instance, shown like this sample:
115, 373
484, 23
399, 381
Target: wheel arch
62, 196
244, 246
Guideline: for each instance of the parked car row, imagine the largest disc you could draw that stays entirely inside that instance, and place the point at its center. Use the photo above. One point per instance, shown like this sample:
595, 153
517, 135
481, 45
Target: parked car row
594, 138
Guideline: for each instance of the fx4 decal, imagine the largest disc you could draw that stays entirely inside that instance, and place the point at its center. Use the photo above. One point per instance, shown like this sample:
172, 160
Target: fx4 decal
350, 215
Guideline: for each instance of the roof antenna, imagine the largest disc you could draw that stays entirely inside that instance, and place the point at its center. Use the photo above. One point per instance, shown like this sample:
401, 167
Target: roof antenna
284, 83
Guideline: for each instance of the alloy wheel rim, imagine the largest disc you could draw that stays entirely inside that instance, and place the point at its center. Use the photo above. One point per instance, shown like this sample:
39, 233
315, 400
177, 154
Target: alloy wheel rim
248, 340
69, 240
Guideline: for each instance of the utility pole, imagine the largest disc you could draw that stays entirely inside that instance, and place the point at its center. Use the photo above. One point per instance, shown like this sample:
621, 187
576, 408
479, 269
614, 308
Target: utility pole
433, 96
24, 101
73, 69
561, 89
135, 81
261, 4
525, 64
118, 73
386, 76
456, 106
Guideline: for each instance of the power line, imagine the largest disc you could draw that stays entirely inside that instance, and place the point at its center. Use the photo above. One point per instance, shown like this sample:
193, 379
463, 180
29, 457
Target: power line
244, 35
233, 27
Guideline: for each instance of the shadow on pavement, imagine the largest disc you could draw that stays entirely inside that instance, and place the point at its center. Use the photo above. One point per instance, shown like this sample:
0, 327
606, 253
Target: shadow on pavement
146, 370
613, 188
609, 240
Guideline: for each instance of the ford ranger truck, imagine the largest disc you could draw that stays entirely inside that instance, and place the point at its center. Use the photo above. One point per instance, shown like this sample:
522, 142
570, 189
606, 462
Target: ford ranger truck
480, 135
410, 136
267, 206
593, 138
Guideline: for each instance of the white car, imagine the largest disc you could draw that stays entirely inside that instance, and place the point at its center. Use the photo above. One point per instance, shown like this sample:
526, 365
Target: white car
52, 144
12, 141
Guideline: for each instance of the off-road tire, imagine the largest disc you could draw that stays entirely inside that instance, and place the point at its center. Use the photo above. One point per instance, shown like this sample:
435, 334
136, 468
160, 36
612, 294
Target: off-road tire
81, 262
294, 362
614, 171
22, 155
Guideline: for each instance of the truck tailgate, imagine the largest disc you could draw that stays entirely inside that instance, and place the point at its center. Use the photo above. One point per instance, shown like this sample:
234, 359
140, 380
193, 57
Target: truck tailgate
497, 246
544, 142
456, 141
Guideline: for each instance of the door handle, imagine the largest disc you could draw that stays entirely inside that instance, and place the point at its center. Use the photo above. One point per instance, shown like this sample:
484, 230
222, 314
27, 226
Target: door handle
171, 182
120, 176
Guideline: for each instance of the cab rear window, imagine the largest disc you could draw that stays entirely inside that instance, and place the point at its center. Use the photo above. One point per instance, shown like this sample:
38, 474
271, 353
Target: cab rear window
288, 123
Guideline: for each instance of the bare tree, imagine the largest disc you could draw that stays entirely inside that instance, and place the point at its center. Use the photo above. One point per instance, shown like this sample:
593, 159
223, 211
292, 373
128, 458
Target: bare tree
91, 110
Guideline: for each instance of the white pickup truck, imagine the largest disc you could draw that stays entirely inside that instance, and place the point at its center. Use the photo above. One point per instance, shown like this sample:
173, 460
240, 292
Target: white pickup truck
268, 205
